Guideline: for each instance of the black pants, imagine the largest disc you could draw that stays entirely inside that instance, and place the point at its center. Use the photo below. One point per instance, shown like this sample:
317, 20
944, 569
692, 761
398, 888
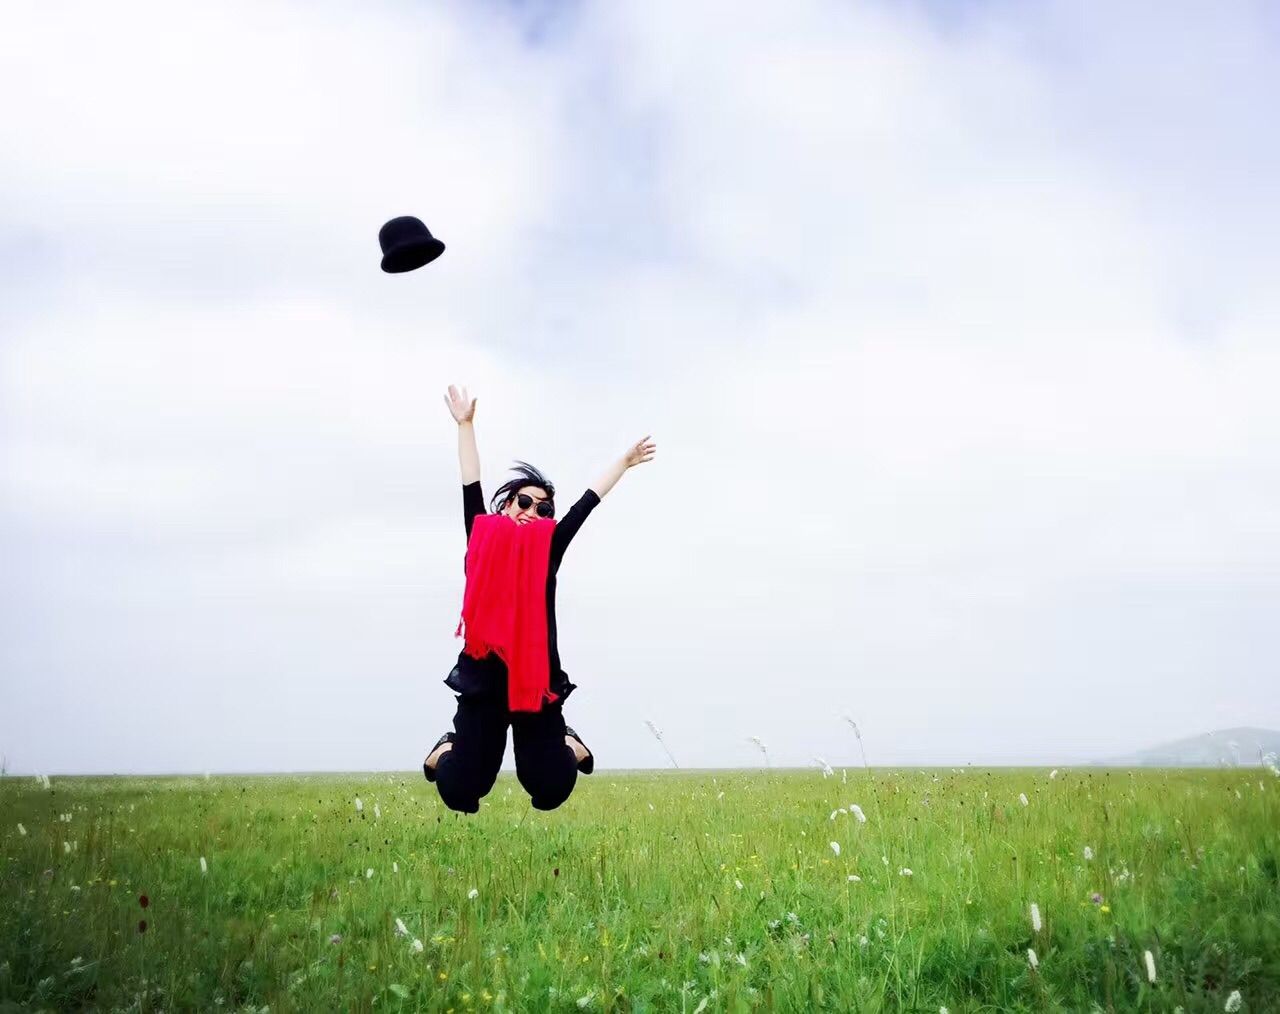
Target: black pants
545, 763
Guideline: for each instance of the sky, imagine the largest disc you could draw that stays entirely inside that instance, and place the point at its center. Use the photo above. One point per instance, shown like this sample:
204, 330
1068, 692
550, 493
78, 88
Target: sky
955, 325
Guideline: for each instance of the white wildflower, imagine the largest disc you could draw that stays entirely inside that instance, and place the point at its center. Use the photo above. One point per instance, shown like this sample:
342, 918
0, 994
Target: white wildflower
473, 893
395, 867
741, 959
863, 941
22, 830
359, 805
1053, 774
1088, 853
1032, 960
1022, 798
835, 847
905, 872
737, 883
417, 946
657, 734
856, 810
853, 878
1233, 1002
204, 866
1151, 965
368, 874
585, 1001
827, 771
1035, 917
66, 847
377, 812
401, 929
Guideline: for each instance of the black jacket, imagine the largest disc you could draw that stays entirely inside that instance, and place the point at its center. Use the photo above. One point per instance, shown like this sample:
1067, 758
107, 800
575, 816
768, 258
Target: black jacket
488, 675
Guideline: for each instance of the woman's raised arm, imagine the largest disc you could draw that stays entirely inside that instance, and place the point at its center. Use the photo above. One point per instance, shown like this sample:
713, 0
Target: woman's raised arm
638, 453
463, 410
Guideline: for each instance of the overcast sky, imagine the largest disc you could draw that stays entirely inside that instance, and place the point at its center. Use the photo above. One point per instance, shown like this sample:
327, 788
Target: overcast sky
956, 325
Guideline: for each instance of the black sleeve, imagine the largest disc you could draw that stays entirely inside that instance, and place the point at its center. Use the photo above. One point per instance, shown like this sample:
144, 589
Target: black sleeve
567, 527
472, 504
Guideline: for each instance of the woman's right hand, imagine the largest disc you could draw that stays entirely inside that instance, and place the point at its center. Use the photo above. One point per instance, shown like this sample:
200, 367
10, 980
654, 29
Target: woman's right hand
461, 407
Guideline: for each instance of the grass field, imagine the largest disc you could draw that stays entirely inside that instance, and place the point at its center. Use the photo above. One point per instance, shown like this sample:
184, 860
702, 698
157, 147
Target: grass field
698, 891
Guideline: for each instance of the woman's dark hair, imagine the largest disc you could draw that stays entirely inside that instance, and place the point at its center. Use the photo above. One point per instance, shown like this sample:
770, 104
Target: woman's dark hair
529, 476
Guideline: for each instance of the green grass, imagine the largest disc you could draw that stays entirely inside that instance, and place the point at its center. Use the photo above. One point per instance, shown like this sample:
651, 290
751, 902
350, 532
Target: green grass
627, 897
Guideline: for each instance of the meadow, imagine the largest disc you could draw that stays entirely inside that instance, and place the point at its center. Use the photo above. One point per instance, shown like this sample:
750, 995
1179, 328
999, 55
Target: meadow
865, 890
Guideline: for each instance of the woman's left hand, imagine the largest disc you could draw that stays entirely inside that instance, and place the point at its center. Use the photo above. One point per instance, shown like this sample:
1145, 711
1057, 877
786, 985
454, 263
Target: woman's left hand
639, 452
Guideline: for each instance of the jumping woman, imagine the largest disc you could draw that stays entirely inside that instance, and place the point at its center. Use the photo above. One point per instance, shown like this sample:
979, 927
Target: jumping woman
508, 673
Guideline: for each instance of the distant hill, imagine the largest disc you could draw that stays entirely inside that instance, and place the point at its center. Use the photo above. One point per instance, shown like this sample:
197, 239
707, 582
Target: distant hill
1225, 748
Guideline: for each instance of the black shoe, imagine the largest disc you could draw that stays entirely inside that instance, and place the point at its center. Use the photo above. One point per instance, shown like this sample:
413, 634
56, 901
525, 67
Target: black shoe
588, 763
430, 772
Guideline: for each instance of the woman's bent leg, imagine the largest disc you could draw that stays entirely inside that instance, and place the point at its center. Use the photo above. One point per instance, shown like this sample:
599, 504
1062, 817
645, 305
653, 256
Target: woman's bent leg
545, 763
466, 772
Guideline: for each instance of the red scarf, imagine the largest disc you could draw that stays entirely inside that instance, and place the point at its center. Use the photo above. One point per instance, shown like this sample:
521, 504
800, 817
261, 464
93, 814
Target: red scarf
504, 606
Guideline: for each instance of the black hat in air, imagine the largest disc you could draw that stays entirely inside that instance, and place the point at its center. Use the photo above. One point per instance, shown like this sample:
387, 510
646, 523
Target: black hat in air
407, 244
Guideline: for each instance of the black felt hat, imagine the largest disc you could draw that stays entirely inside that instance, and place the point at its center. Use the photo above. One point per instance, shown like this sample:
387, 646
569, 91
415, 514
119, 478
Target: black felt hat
407, 244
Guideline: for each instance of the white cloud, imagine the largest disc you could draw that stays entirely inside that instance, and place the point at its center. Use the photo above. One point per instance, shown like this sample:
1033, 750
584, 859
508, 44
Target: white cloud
960, 420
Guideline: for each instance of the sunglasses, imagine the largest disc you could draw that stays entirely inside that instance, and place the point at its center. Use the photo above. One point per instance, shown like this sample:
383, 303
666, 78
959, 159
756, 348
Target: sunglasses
545, 507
